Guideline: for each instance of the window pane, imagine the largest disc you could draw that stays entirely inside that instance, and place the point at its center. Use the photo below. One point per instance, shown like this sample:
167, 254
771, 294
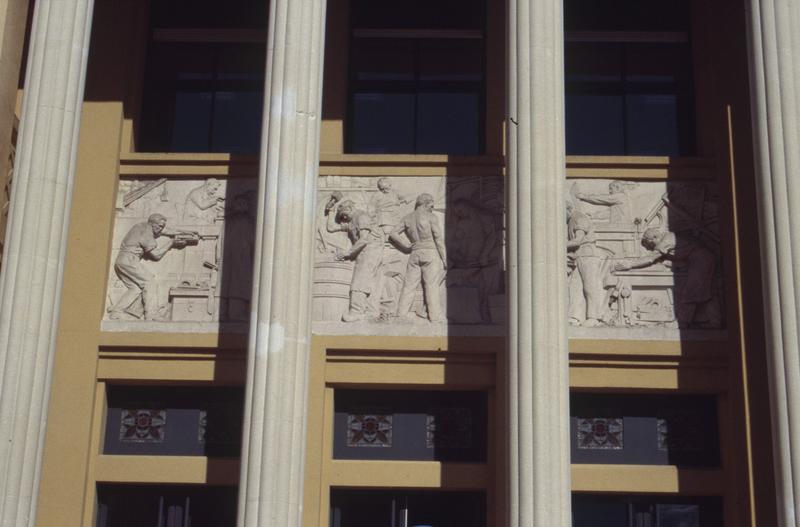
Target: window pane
594, 124
383, 508
589, 513
178, 421
595, 62
644, 429
410, 425
678, 515
641, 510
446, 509
451, 60
626, 15
192, 122
241, 62
448, 123
424, 14
652, 124
383, 123
187, 83
237, 122
658, 63
165, 505
207, 14
376, 59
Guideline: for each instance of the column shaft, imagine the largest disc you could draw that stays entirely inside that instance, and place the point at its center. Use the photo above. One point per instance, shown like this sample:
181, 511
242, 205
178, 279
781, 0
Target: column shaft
273, 451
539, 491
31, 279
775, 101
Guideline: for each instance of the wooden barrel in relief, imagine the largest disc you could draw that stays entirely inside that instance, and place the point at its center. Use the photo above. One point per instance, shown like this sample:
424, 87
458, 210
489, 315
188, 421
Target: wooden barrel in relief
331, 290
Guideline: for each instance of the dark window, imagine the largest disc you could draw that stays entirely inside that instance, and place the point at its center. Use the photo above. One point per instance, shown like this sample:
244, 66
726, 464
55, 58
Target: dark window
237, 14
644, 429
418, 14
628, 79
203, 97
165, 506
204, 77
179, 421
410, 425
417, 78
645, 511
626, 15
376, 508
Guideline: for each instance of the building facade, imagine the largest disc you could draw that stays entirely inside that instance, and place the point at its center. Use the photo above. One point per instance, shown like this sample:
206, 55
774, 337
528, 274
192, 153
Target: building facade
423, 264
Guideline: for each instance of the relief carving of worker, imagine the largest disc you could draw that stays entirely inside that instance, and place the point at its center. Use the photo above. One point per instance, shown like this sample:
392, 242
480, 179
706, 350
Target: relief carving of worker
237, 278
366, 252
140, 243
474, 249
427, 261
585, 270
618, 201
387, 203
202, 204
700, 264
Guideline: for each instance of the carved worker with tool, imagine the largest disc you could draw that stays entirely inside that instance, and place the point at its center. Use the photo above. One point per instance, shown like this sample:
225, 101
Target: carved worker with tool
366, 252
139, 243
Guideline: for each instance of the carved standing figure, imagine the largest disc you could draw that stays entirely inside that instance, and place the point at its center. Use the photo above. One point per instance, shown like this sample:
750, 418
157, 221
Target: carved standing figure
427, 260
687, 250
585, 261
475, 252
237, 276
387, 203
366, 252
139, 243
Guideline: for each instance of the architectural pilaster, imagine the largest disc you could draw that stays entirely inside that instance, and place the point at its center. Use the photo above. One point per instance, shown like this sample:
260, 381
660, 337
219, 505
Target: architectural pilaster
31, 279
271, 490
775, 100
538, 416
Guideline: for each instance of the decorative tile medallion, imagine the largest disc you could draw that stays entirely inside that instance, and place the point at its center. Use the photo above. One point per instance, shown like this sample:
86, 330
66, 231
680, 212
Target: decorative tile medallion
369, 430
142, 426
449, 428
680, 433
600, 433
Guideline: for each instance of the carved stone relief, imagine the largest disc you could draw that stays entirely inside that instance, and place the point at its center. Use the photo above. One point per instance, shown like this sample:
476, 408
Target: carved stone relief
643, 255
171, 237
411, 255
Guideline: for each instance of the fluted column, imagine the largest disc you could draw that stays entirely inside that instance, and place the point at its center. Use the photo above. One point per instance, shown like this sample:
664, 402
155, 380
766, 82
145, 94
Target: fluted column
271, 490
30, 283
775, 99
539, 490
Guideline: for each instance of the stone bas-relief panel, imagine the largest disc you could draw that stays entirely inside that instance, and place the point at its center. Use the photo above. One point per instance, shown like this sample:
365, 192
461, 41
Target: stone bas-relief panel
182, 255
643, 259
409, 255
